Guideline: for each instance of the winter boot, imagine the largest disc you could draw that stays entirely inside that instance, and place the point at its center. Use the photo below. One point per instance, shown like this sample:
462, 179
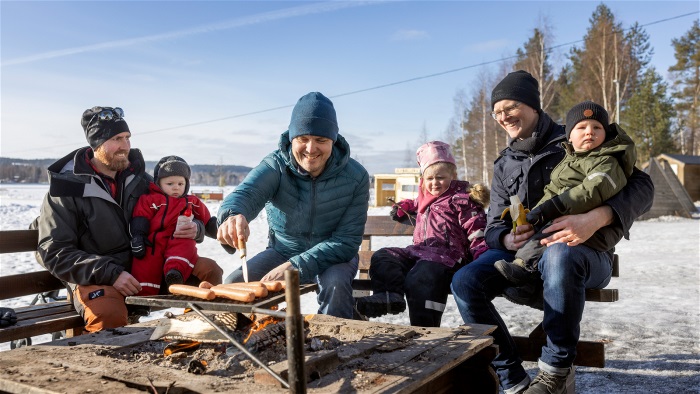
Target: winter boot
530, 295
516, 272
380, 304
553, 382
174, 277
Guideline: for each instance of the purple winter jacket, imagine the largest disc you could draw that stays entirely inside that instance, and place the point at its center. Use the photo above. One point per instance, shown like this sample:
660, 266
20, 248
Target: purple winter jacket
451, 229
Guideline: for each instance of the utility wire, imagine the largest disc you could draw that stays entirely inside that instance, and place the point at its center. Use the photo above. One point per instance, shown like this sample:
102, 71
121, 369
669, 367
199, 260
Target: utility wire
386, 85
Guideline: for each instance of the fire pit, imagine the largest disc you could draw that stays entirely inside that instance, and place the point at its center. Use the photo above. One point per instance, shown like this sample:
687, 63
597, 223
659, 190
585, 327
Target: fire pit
341, 356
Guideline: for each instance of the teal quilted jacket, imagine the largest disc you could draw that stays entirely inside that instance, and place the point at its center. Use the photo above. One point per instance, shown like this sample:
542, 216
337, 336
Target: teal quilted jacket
314, 223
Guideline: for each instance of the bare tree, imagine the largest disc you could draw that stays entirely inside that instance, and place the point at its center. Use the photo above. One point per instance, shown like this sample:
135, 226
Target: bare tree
534, 58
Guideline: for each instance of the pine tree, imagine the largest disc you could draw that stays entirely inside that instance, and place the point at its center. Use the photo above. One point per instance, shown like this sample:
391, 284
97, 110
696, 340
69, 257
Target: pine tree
647, 117
686, 86
608, 65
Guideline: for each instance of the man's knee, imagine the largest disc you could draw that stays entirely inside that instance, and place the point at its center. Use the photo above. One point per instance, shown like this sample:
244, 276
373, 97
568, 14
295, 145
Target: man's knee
206, 269
102, 307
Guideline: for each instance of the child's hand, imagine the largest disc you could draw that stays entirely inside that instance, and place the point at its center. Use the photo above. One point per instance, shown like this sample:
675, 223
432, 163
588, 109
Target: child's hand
399, 211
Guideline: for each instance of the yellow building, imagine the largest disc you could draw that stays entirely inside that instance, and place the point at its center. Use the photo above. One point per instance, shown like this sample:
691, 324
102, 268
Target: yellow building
401, 185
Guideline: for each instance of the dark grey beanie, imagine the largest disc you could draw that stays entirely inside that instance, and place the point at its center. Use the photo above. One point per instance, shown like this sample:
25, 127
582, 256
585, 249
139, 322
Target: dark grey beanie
314, 115
172, 166
586, 110
519, 86
97, 131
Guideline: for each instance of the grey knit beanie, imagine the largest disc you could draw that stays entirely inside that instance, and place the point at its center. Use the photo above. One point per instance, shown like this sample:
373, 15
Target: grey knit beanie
519, 86
172, 166
314, 115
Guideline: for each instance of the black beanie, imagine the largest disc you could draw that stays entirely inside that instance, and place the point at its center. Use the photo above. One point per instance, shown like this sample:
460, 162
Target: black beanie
314, 115
98, 131
519, 86
587, 110
172, 166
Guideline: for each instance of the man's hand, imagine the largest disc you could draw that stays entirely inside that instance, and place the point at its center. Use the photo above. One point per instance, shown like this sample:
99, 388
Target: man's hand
232, 229
126, 284
576, 229
187, 230
278, 272
514, 241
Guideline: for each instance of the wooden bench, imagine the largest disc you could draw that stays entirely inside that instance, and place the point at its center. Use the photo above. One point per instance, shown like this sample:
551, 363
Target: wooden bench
589, 353
39, 318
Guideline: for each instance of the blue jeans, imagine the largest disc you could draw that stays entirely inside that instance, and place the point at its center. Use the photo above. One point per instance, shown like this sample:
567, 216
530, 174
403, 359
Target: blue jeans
566, 272
334, 293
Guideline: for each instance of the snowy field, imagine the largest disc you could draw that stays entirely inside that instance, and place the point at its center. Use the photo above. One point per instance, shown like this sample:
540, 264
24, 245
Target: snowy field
653, 332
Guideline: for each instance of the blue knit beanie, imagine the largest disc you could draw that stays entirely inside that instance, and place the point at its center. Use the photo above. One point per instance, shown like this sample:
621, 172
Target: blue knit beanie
314, 114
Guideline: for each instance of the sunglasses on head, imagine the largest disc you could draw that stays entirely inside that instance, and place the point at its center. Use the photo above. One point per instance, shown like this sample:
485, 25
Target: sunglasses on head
109, 114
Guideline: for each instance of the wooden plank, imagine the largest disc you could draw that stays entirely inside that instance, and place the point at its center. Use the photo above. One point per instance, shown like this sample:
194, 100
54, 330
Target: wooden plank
602, 295
13, 241
594, 295
42, 325
384, 226
12, 286
588, 353
474, 375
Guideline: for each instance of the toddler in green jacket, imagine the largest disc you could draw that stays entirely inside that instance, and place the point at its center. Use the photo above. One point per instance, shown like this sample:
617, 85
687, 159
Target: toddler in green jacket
599, 159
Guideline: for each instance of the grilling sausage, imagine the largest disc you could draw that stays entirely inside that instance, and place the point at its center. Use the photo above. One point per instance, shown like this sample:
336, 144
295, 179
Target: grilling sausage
258, 290
273, 285
205, 285
197, 292
243, 295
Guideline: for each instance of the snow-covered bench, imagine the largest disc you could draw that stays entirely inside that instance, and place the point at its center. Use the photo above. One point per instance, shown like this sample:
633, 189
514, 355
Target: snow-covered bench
47, 313
589, 353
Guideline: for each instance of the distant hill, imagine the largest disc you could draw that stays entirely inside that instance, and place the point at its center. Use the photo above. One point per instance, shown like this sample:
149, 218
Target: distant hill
34, 171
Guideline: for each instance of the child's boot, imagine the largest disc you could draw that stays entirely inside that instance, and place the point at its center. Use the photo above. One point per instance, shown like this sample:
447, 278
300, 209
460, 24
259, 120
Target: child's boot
380, 304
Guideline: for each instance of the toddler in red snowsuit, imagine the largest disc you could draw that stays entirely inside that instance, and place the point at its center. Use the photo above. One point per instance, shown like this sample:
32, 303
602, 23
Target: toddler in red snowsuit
155, 217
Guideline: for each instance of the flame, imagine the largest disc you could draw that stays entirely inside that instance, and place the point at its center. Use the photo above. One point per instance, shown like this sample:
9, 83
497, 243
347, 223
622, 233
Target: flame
259, 325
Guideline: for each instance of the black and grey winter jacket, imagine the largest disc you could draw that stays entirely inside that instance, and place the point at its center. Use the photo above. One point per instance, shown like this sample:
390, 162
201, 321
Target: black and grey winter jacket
83, 231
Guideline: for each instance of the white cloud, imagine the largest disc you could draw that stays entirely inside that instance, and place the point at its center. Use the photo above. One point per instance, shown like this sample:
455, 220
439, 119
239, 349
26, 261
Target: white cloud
486, 46
316, 8
409, 35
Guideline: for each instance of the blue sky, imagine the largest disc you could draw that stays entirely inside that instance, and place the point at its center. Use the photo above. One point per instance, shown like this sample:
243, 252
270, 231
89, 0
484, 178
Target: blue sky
214, 82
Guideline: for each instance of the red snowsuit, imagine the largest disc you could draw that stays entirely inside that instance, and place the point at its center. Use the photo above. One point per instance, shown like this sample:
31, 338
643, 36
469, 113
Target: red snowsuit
167, 252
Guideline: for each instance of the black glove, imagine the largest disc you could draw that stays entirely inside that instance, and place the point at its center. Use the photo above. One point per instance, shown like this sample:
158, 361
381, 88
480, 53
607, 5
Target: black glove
7, 317
546, 212
138, 246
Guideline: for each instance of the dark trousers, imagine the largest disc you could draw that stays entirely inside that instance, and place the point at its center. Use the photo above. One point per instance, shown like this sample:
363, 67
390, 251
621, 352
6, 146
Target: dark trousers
425, 284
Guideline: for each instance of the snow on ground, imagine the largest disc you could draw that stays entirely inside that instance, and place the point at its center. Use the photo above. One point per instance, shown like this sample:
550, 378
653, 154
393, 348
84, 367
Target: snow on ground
653, 331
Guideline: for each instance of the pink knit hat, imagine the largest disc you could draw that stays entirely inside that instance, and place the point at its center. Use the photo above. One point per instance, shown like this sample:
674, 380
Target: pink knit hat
433, 152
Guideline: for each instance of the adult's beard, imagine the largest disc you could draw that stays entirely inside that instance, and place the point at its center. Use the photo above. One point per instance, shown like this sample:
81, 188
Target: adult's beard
111, 161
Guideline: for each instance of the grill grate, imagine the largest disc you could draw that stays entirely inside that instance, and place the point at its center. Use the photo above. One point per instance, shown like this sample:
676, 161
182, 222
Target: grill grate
218, 304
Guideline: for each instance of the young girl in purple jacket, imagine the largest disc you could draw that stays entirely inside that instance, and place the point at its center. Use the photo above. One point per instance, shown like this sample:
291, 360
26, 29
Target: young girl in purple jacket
449, 233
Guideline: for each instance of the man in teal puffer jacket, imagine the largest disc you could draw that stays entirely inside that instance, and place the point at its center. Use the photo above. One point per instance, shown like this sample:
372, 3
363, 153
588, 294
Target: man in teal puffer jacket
316, 198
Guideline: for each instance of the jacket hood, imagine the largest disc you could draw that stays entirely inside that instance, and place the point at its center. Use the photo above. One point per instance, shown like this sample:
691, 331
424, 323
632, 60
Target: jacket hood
336, 162
70, 175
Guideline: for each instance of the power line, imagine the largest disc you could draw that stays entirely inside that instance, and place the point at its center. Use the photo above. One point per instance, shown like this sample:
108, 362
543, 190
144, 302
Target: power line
377, 87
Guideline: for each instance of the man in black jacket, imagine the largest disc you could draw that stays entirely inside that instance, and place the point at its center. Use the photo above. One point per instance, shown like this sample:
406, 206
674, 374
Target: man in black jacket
567, 267
84, 221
